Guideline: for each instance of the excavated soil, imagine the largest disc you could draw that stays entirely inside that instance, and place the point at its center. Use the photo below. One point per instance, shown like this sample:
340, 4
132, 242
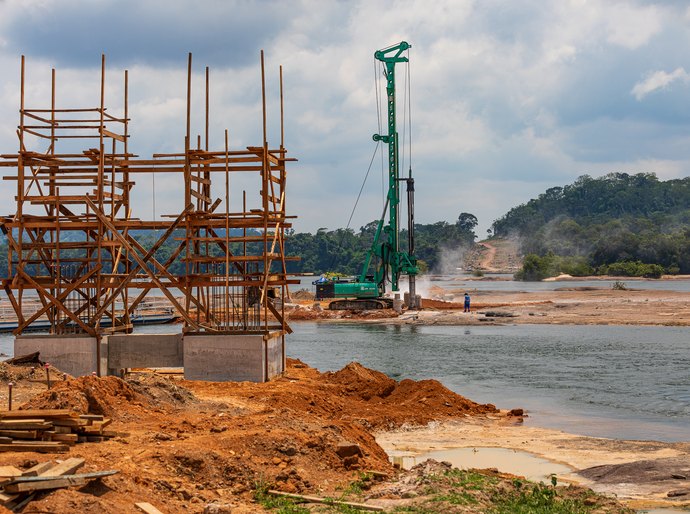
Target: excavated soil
184, 445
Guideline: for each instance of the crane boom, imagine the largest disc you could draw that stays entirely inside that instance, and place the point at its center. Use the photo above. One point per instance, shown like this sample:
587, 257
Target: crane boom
393, 262
399, 262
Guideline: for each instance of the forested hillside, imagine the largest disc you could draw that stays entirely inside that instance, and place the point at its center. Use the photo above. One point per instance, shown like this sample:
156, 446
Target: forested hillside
616, 224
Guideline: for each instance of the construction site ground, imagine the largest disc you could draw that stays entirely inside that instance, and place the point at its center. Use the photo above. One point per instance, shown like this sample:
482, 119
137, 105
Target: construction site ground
191, 446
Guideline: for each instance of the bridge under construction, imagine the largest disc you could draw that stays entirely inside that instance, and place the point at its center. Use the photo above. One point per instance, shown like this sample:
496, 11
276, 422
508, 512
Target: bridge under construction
74, 245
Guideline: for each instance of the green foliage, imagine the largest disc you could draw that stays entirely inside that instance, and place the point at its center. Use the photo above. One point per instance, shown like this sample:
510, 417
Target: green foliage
280, 504
340, 251
535, 268
632, 269
346, 251
612, 219
619, 286
538, 499
363, 483
468, 479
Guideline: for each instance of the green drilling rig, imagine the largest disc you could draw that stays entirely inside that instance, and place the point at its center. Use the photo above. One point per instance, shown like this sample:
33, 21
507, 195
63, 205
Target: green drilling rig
367, 291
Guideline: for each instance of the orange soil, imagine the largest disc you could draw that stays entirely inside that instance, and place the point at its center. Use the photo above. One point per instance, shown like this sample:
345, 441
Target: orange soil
193, 443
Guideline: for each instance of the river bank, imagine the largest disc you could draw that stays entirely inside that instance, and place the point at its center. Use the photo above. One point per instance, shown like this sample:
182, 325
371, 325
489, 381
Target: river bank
569, 303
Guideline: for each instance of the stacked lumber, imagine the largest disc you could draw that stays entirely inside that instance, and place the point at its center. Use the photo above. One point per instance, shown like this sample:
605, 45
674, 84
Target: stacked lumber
18, 487
50, 430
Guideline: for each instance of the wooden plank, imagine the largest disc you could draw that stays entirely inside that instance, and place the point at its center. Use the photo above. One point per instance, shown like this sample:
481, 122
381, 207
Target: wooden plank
92, 439
20, 502
91, 430
94, 474
37, 446
5, 440
39, 468
75, 422
113, 135
19, 434
10, 471
92, 417
57, 483
68, 467
147, 508
7, 498
65, 438
38, 413
327, 501
201, 197
29, 424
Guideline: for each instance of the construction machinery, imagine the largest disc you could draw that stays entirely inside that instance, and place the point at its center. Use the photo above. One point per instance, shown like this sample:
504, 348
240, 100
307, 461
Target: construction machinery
368, 291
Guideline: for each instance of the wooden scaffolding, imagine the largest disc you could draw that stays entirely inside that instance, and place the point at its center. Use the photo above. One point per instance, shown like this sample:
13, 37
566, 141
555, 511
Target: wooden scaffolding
74, 245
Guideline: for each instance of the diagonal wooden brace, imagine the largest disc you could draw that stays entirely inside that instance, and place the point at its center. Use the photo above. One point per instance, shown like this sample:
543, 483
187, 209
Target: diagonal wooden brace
125, 242
146, 257
55, 301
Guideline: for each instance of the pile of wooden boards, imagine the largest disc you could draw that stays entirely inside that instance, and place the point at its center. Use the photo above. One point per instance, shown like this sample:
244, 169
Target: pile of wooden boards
18, 487
50, 430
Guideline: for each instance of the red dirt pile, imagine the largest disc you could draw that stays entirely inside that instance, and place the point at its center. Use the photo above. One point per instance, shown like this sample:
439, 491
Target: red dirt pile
87, 395
194, 443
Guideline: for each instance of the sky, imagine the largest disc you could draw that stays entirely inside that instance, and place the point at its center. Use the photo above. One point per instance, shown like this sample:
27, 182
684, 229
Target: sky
505, 98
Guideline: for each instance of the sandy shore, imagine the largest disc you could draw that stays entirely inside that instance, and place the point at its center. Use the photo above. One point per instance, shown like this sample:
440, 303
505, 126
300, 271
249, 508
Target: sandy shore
569, 304
641, 489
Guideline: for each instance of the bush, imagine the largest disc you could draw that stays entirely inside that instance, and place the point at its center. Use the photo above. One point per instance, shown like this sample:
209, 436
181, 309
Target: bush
632, 269
535, 268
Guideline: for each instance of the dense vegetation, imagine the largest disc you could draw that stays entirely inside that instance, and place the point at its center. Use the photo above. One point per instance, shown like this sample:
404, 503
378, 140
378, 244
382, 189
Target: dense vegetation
344, 250
634, 225
341, 250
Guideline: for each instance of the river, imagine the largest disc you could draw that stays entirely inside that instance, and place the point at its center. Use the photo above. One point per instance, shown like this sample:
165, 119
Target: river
609, 381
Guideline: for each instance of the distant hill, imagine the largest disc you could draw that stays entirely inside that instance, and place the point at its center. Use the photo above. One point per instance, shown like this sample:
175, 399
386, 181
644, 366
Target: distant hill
597, 222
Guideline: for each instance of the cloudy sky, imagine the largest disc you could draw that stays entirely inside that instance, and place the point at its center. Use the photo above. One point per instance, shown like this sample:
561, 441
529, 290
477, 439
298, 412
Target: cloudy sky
508, 97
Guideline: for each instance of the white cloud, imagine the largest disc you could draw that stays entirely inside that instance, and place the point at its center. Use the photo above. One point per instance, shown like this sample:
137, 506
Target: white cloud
631, 26
658, 80
508, 98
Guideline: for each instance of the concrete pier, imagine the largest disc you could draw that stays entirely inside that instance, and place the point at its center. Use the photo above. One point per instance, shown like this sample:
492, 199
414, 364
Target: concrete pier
230, 357
144, 351
75, 354
204, 356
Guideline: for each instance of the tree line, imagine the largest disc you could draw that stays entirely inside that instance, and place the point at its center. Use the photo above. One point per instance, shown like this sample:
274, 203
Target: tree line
339, 251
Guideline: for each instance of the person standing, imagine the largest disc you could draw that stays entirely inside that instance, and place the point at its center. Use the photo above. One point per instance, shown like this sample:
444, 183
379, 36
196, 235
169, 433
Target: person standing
467, 303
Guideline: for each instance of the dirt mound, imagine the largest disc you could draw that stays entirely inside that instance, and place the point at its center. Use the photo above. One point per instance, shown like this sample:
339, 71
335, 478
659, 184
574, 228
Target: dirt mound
363, 382
380, 402
432, 396
160, 390
87, 395
14, 373
302, 294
